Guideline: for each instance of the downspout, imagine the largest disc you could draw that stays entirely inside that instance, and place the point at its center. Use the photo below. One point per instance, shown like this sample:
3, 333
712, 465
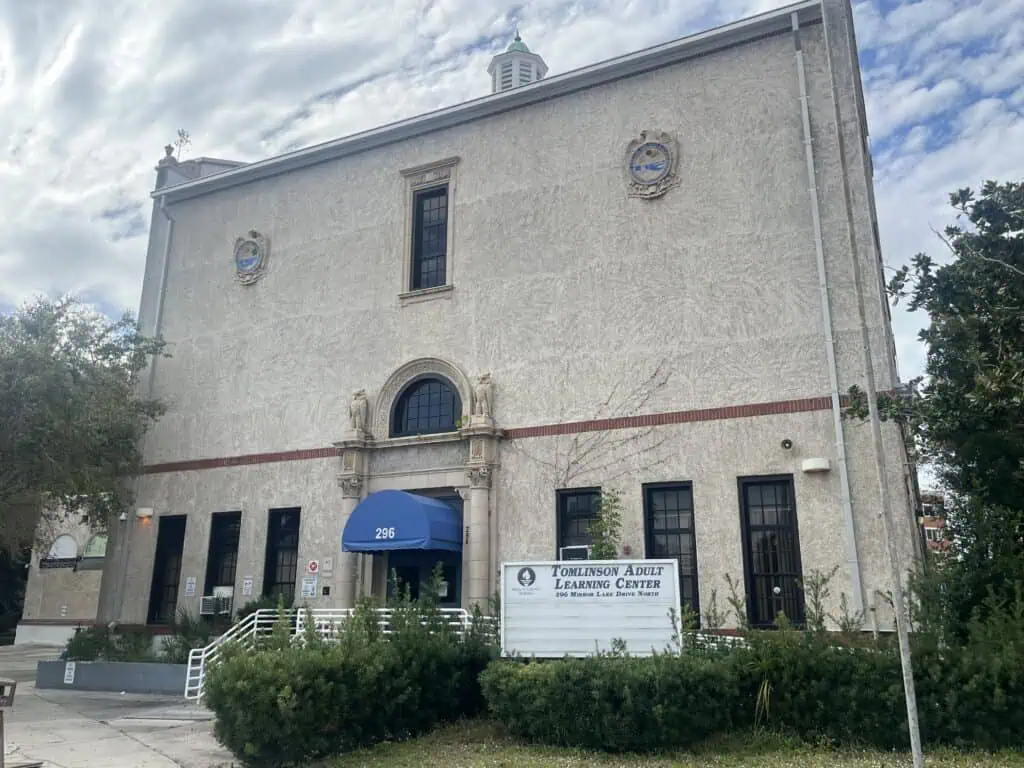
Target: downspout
129, 524
850, 538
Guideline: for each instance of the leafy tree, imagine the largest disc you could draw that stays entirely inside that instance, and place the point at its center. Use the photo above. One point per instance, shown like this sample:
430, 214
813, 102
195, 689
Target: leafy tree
71, 414
967, 417
606, 527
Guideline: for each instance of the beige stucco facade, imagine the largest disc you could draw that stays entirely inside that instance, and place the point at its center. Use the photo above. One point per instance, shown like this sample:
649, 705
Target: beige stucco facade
581, 302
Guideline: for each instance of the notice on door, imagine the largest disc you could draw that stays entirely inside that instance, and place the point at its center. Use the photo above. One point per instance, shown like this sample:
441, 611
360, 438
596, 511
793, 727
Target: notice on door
553, 609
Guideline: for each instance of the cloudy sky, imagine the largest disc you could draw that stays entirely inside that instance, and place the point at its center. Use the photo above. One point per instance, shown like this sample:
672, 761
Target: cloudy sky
91, 90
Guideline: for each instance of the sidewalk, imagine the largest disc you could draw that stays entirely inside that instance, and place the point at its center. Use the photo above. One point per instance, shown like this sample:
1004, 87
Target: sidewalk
76, 729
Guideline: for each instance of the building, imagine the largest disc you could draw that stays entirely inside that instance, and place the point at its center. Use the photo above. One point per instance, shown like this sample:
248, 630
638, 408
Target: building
439, 340
933, 521
64, 576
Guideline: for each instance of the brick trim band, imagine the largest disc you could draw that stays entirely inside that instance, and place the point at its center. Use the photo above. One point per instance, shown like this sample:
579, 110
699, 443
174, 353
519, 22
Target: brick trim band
568, 428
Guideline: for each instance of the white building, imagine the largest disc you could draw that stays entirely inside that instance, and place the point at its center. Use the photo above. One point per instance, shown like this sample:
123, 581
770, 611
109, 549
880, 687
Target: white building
642, 275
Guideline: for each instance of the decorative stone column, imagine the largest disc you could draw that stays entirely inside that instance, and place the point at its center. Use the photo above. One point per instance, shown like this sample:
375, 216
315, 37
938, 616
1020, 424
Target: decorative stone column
483, 439
352, 451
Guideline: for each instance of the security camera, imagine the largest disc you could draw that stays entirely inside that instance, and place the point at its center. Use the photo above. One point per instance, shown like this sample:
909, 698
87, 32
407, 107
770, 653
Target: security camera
787, 444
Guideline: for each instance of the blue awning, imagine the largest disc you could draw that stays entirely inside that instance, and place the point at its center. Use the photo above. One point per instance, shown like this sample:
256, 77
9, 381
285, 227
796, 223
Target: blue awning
389, 520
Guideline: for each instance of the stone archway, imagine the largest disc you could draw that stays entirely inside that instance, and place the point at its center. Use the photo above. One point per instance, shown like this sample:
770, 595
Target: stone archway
424, 366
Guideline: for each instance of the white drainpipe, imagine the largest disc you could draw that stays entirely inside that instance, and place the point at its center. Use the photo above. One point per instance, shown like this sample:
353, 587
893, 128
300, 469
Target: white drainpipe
852, 560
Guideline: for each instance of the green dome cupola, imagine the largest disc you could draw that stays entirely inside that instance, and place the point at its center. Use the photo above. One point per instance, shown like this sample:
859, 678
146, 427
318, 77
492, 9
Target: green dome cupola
516, 67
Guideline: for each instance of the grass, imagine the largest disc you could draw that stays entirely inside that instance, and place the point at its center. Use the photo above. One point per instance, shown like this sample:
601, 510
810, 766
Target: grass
467, 745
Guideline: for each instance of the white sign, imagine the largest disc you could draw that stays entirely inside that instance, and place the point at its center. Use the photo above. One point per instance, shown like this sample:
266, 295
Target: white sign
328, 565
553, 609
190, 586
69, 674
313, 566
247, 586
309, 586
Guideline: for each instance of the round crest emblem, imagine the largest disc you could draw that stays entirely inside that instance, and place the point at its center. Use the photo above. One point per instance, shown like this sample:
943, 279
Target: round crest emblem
650, 163
251, 253
526, 577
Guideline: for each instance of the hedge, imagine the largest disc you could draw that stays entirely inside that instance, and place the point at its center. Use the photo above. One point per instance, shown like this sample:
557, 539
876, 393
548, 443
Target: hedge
288, 703
790, 681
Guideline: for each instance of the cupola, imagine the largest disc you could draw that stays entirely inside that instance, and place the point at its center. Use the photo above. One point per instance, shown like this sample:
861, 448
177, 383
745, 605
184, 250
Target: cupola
517, 66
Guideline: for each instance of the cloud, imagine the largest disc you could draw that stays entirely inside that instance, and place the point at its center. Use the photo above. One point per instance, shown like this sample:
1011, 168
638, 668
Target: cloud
91, 90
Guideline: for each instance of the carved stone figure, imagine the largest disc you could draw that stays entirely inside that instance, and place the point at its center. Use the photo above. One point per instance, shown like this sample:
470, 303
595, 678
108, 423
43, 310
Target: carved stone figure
359, 411
483, 396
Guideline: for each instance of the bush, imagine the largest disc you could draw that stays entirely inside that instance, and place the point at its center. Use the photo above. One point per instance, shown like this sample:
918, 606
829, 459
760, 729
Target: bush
101, 644
795, 682
187, 632
616, 703
293, 700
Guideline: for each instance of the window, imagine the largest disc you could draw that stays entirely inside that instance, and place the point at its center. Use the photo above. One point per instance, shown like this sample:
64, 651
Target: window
506, 75
225, 529
576, 508
282, 553
163, 591
427, 406
430, 238
668, 524
96, 547
771, 550
64, 548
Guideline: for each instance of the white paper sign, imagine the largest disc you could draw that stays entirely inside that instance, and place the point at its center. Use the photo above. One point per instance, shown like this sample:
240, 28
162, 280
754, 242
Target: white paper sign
553, 609
190, 586
309, 586
69, 673
247, 586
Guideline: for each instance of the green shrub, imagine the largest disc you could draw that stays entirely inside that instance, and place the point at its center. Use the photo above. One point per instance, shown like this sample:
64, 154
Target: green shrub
189, 631
616, 703
101, 644
805, 684
292, 700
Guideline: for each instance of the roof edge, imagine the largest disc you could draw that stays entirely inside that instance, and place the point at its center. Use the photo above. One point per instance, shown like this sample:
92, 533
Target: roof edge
628, 65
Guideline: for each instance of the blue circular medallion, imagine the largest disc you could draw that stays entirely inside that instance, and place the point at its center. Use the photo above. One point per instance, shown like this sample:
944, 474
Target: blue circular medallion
650, 163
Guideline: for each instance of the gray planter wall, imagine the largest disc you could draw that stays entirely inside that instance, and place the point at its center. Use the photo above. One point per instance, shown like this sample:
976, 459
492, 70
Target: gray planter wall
116, 676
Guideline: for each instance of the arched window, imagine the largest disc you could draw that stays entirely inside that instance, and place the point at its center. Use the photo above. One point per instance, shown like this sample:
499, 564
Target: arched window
427, 406
64, 548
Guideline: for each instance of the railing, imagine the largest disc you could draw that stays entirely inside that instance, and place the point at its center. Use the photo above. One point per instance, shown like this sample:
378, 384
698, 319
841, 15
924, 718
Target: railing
327, 622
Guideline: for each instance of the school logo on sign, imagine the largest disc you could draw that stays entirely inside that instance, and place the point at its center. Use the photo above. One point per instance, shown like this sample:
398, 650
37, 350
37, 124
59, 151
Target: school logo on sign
526, 577
251, 253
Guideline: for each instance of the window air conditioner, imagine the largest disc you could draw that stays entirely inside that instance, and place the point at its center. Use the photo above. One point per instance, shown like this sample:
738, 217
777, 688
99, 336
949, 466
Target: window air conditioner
217, 604
578, 552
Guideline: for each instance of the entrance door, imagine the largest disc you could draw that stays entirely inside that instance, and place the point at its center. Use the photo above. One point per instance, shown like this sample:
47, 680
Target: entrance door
163, 591
413, 567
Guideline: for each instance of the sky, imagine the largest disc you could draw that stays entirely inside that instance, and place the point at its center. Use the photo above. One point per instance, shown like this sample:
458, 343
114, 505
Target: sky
91, 91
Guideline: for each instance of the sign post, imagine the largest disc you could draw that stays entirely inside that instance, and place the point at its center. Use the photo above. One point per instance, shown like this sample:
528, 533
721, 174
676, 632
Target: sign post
551, 609
7, 689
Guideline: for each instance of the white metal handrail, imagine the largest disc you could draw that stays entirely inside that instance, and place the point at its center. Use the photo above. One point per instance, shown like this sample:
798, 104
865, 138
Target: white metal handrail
327, 623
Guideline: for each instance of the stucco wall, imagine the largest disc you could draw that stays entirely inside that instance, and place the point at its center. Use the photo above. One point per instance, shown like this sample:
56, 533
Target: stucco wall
562, 284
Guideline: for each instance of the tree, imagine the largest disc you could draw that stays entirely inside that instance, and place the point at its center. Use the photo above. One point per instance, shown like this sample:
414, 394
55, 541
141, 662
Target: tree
606, 527
967, 418
71, 414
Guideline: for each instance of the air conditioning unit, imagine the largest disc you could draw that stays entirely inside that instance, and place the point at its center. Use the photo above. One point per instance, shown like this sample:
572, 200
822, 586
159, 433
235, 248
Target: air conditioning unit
217, 604
577, 552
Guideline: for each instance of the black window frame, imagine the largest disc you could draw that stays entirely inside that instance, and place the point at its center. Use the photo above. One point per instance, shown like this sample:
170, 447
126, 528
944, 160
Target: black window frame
757, 621
649, 489
278, 544
399, 426
429, 265
163, 592
221, 570
562, 497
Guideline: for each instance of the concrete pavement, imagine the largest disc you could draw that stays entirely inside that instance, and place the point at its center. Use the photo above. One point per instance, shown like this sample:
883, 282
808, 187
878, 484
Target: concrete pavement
75, 729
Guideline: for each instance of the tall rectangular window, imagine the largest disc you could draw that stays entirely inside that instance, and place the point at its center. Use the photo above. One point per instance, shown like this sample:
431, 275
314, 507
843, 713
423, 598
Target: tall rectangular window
163, 591
222, 558
430, 237
282, 553
576, 508
771, 550
668, 524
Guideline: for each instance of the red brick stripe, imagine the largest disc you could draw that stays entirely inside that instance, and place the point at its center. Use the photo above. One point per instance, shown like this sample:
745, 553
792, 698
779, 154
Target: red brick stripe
520, 433
236, 461
675, 417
